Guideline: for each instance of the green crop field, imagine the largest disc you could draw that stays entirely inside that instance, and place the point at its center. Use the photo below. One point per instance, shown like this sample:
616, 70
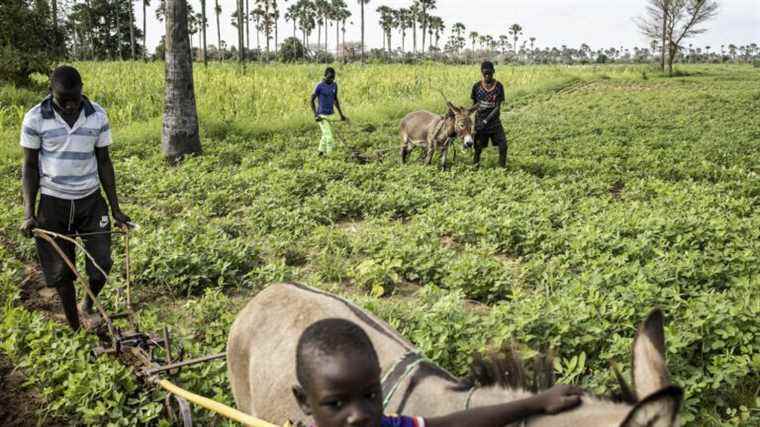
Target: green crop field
625, 191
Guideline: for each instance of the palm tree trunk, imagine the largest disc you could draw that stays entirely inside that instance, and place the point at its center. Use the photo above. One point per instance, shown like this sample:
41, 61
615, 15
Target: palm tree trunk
337, 39
203, 30
424, 29
247, 24
218, 31
180, 135
362, 5
145, 30
664, 35
118, 30
276, 36
414, 37
241, 30
132, 29
267, 29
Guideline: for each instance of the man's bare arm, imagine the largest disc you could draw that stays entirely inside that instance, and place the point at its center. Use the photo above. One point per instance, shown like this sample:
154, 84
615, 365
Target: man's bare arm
30, 183
108, 181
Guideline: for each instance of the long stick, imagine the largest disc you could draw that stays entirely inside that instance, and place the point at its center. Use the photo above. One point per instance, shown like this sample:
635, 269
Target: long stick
217, 407
44, 235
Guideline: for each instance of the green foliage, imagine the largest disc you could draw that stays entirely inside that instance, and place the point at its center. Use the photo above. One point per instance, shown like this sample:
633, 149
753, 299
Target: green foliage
291, 50
28, 40
625, 191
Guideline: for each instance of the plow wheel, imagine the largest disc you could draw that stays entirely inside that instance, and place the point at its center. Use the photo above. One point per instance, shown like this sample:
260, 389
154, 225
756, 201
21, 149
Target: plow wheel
181, 415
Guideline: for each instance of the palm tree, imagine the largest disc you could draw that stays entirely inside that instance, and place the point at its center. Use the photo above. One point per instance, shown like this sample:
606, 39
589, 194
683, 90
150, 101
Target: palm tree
425, 7
218, 11
503, 43
180, 135
291, 14
458, 31
403, 25
516, 31
203, 31
414, 14
131, 28
474, 39
436, 23
386, 23
340, 12
145, 3
276, 19
362, 3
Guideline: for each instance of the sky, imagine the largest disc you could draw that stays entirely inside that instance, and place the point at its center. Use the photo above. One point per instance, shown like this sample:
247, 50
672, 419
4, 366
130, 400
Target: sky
599, 23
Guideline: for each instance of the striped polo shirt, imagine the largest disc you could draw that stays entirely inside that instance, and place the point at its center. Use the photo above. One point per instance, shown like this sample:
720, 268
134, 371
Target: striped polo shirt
68, 167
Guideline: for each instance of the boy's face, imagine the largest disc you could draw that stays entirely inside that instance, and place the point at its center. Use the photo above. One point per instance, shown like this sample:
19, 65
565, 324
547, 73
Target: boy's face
345, 391
487, 75
329, 77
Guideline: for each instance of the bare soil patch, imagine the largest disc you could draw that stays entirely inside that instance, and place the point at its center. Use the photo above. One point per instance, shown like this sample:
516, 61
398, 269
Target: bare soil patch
19, 404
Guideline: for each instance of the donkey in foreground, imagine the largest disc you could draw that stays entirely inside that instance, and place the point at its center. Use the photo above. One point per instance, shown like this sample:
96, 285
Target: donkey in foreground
261, 366
434, 132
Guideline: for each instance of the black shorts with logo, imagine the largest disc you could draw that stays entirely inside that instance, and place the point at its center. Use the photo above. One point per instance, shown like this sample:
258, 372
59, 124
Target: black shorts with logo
86, 215
493, 133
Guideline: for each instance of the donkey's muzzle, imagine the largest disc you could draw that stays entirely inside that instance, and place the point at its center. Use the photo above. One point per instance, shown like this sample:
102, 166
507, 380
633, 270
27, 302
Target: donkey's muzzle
468, 142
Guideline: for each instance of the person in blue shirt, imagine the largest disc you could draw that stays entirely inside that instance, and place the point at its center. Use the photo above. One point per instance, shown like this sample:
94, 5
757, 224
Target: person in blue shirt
327, 94
339, 385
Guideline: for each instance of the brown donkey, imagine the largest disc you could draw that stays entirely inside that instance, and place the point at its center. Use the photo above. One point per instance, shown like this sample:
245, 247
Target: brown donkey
434, 132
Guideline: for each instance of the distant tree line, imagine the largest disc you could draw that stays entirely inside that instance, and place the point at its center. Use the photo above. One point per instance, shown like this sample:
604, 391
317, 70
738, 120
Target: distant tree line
36, 33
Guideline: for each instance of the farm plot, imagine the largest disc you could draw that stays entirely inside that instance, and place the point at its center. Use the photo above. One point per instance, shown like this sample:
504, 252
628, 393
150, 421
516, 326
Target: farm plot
624, 191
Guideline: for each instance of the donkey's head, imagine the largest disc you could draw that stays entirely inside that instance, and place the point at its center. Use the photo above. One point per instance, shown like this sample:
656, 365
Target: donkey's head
655, 402
461, 123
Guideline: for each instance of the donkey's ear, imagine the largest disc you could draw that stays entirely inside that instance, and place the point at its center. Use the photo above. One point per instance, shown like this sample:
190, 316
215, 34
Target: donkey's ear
452, 108
650, 373
657, 410
471, 110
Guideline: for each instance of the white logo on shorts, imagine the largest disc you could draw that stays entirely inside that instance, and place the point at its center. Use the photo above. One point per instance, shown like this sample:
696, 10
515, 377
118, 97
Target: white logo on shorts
103, 221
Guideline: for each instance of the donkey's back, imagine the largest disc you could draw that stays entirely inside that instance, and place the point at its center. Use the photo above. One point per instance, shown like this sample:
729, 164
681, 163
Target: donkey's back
262, 344
415, 125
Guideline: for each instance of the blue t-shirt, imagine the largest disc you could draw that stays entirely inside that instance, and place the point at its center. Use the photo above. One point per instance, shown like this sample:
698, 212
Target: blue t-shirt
401, 422
326, 94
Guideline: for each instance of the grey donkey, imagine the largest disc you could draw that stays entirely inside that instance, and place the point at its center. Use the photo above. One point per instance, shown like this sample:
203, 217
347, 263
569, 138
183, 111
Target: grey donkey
435, 132
261, 366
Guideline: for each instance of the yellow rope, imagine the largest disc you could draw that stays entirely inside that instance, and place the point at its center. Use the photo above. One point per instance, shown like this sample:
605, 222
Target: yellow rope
217, 407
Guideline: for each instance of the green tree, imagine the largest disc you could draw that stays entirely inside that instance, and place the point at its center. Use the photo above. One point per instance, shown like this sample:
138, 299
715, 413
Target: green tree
362, 3
27, 40
515, 30
425, 7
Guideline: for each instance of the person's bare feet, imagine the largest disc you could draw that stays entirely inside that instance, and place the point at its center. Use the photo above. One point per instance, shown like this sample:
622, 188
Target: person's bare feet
90, 319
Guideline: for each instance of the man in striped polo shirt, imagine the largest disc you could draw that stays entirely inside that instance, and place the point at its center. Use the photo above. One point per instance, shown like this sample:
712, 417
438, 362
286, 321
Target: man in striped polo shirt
65, 140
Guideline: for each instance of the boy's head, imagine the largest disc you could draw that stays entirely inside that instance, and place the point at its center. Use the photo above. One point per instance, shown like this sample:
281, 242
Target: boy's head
66, 87
329, 74
488, 70
339, 375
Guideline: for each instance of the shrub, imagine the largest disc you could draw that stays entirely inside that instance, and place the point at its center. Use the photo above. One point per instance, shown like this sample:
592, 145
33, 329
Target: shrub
291, 50
28, 40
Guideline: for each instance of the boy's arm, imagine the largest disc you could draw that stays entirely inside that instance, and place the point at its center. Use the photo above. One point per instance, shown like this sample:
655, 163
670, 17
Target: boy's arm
557, 399
108, 182
493, 113
313, 105
337, 106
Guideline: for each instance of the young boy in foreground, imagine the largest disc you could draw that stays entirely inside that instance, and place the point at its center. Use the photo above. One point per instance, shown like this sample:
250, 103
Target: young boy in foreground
327, 94
339, 385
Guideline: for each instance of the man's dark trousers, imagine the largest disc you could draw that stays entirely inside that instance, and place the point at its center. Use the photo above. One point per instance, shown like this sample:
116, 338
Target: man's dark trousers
497, 137
81, 216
